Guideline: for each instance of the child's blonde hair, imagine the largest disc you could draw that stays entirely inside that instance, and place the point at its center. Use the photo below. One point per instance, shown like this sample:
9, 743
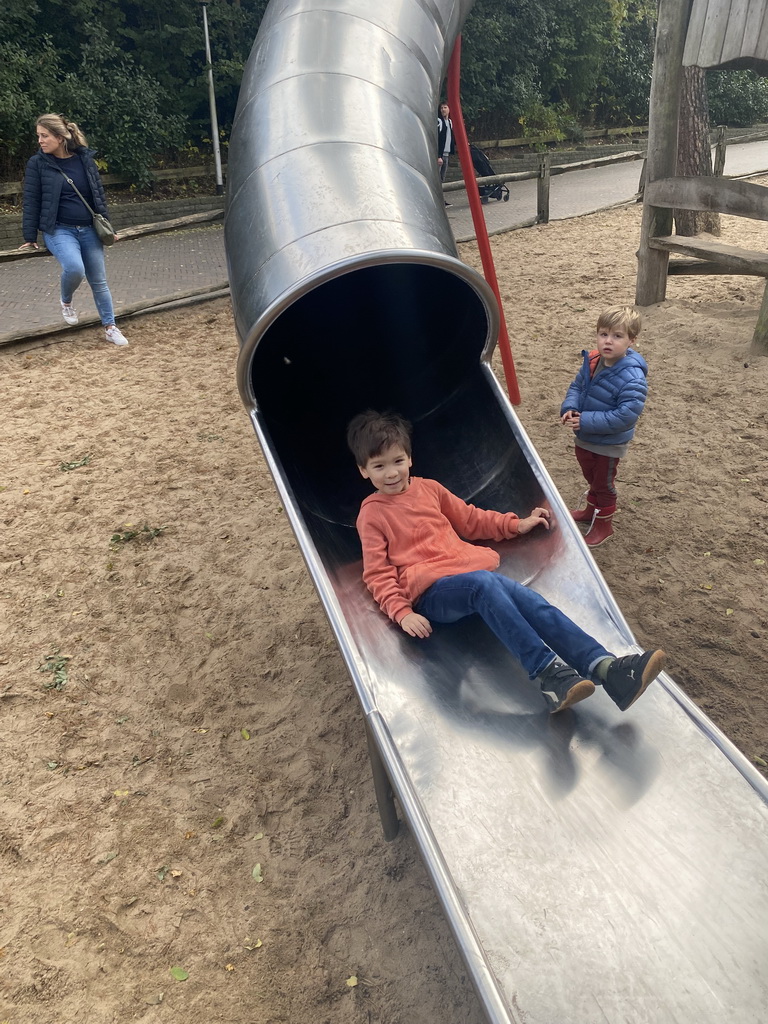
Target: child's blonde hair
621, 316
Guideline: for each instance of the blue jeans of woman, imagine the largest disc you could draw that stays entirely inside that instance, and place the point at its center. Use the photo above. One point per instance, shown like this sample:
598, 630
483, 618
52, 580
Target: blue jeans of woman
525, 622
81, 255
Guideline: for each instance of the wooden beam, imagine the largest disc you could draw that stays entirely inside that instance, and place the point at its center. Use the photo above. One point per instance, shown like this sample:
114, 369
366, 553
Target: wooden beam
759, 345
720, 147
684, 267
581, 165
662, 144
746, 261
542, 191
7, 255
723, 195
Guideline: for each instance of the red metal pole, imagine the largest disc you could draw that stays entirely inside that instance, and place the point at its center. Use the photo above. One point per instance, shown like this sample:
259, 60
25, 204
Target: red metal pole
478, 217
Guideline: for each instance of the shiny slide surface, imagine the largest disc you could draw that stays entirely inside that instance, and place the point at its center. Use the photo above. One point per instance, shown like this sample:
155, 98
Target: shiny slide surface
595, 867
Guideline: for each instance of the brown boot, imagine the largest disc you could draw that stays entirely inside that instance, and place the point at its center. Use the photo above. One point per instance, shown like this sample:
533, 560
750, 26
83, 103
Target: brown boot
602, 528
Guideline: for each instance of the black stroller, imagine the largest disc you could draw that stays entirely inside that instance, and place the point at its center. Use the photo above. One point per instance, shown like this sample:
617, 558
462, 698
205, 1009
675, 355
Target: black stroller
483, 169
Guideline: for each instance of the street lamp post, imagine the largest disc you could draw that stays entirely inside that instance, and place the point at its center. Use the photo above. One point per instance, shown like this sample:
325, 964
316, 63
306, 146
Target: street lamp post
212, 101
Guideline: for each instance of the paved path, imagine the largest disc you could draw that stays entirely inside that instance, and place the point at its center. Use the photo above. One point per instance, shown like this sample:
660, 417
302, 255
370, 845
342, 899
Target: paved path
579, 192
158, 266
152, 267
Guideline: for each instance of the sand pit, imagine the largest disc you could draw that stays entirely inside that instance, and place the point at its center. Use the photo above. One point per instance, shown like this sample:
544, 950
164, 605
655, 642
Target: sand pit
197, 720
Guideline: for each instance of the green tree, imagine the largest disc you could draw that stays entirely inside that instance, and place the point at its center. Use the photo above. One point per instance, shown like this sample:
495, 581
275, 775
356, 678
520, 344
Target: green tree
624, 87
501, 50
582, 36
29, 85
121, 107
147, 52
737, 98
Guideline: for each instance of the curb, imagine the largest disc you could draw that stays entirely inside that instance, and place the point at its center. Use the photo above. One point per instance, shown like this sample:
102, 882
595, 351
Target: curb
137, 231
36, 337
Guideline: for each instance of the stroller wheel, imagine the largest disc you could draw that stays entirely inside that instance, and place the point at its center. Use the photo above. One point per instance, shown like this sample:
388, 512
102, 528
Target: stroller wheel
484, 200
506, 197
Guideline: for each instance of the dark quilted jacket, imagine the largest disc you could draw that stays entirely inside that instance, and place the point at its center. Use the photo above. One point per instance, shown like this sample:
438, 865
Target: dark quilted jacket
42, 189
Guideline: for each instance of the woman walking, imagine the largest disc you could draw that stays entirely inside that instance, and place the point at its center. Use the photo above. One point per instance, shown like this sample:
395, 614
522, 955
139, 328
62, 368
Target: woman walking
53, 206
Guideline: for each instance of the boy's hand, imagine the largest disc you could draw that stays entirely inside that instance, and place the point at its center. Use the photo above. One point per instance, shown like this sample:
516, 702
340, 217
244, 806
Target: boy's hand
571, 419
416, 625
538, 517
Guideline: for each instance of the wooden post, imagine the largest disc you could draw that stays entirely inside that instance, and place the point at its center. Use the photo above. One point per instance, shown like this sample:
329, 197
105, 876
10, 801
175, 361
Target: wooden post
641, 183
661, 161
542, 191
760, 337
720, 145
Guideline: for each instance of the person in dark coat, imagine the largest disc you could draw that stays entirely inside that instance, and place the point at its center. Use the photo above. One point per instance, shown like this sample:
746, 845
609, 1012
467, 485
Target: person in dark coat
602, 406
446, 144
53, 207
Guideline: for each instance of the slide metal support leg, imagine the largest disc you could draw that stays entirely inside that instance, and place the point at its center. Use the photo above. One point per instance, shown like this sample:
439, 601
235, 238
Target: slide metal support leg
384, 795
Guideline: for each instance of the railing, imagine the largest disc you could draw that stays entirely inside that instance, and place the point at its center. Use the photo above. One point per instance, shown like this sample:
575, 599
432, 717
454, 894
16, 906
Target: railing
542, 175
543, 140
760, 133
15, 188
546, 170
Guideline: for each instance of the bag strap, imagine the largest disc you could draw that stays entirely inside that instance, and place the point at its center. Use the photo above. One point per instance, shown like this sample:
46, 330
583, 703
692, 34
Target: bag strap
74, 186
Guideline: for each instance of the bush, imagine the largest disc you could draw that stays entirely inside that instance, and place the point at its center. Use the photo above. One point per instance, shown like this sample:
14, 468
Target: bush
122, 105
29, 86
555, 122
737, 98
625, 83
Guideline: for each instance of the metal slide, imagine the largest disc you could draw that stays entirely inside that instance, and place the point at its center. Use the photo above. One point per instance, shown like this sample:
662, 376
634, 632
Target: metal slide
596, 868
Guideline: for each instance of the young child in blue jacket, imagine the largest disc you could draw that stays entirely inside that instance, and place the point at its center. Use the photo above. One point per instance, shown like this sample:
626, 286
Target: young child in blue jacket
602, 406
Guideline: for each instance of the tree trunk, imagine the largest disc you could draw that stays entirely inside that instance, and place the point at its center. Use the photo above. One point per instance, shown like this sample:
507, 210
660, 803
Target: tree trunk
694, 155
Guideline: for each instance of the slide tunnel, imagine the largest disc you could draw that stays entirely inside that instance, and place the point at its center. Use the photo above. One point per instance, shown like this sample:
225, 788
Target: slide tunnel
594, 867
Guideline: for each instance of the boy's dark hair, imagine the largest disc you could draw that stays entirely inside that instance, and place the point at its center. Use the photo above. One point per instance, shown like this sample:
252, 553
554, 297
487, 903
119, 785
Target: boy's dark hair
370, 433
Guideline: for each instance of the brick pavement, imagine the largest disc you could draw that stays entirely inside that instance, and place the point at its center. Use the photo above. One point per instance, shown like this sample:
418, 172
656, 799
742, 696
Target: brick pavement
151, 267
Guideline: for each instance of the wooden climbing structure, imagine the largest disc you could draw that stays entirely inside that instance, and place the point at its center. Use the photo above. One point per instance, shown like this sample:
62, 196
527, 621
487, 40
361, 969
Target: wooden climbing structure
723, 34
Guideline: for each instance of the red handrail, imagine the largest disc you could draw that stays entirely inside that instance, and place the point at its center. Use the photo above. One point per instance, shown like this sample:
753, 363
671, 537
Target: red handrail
478, 217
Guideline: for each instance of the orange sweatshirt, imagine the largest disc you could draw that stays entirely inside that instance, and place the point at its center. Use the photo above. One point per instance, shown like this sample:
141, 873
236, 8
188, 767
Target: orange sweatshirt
412, 539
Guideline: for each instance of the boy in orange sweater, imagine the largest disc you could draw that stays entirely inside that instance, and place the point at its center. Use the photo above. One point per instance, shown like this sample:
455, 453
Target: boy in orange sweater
419, 569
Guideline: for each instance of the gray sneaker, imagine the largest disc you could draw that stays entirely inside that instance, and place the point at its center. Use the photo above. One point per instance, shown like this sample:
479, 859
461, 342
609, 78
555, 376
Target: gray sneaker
562, 686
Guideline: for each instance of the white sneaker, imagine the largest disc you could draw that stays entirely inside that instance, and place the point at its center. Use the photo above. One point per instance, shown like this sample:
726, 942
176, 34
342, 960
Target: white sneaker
69, 313
115, 335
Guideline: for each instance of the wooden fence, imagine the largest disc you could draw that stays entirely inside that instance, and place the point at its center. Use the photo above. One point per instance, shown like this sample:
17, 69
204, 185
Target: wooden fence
756, 134
14, 188
543, 175
543, 140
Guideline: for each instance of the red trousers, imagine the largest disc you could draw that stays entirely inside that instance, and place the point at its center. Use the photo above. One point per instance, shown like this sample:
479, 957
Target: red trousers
600, 473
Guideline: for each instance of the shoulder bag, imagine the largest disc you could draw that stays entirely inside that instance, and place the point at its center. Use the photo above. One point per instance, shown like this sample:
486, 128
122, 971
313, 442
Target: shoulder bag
104, 230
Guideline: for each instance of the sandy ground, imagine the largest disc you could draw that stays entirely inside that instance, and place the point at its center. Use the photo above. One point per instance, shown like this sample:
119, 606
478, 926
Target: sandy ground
196, 730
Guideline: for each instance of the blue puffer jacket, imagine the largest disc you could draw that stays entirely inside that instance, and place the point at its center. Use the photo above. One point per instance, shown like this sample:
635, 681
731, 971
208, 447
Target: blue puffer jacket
610, 403
42, 189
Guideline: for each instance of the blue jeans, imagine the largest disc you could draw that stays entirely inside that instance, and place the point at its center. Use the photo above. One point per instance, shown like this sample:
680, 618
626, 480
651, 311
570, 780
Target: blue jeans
525, 622
81, 255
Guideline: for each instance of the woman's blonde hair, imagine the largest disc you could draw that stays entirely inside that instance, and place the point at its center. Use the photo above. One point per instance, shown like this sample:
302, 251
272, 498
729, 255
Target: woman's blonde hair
58, 125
